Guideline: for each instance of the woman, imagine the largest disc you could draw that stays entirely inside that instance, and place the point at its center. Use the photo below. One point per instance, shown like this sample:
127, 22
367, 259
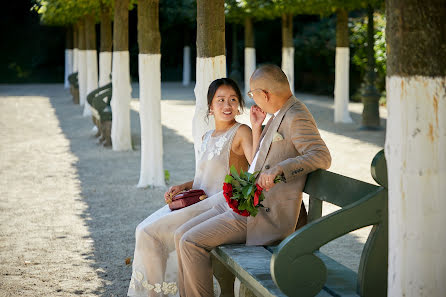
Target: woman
230, 143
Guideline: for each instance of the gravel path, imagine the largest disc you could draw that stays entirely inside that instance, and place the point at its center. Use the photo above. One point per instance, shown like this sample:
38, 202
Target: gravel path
69, 206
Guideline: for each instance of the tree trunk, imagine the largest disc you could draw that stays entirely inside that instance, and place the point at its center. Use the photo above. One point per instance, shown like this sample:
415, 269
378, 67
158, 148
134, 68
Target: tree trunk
105, 54
416, 146
235, 67
186, 58
250, 53
75, 48
288, 48
149, 41
341, 93
92, 60
68, 55
370, 97
82, 61
211, 61
120, 103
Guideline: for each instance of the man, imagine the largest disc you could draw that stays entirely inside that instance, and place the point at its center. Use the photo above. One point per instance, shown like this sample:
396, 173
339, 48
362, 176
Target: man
290, 145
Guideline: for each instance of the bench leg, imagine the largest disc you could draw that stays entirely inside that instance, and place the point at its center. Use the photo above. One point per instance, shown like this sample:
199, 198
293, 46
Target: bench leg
75, 94
225, 278
97, 123
107, 132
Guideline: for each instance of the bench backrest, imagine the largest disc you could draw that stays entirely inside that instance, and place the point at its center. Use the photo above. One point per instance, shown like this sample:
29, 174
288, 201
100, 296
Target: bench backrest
341, 190
362, 204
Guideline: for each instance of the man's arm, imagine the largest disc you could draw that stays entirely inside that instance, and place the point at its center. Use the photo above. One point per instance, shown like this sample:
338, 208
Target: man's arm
313, 151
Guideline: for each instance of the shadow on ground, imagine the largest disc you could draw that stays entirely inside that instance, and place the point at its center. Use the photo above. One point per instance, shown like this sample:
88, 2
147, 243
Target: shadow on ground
108, 182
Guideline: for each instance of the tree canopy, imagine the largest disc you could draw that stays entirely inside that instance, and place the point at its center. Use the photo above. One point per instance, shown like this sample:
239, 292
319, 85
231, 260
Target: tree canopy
237, 10
66, 12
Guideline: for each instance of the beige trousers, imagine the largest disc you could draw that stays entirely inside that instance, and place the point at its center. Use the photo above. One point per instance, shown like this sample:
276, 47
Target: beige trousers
196, 238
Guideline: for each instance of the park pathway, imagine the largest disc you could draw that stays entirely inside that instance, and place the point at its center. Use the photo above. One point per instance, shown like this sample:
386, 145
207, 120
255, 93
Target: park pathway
68, 207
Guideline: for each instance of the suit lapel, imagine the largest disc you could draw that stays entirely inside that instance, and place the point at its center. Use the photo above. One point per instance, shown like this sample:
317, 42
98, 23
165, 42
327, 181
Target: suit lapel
268, 135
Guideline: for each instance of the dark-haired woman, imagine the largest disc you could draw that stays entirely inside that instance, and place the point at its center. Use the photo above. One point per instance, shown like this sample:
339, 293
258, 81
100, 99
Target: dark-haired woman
230, 143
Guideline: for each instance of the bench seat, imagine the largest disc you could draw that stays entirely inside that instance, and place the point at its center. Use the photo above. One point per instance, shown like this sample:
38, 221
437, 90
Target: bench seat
296, 267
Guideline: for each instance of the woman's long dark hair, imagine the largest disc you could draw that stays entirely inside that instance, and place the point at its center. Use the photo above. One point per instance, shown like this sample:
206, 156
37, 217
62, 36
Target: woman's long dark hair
213, 87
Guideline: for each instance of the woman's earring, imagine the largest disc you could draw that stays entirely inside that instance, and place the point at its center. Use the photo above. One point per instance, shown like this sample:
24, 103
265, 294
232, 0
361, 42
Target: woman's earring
211, 112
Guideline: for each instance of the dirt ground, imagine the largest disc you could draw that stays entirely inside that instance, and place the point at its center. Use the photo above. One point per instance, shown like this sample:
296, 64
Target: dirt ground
69, 207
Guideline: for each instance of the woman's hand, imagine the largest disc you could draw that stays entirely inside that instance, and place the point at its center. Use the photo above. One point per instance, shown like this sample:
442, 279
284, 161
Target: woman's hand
173, 190
257, 116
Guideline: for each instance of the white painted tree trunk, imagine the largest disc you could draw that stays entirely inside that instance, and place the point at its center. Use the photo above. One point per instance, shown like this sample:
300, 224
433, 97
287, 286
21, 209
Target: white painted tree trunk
68, 66
75, 60
92, 77
186, 66
120, 103
250, 66
341, 92
152, 172
82, 77
105, 64
288, 65
416, 162
208, 70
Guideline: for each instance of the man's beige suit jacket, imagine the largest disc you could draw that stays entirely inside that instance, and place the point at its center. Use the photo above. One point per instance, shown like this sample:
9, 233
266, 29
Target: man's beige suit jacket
291, 141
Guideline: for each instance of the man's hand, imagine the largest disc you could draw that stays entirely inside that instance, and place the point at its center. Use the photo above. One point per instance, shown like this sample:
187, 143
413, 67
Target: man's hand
173, 190
257, 116
266, 178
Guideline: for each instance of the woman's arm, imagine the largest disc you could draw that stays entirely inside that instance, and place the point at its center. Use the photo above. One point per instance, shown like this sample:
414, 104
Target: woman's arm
173, 190
257, 116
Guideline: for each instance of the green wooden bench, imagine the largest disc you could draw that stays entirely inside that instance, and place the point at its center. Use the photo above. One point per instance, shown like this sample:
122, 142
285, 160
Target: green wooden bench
296, 267
74, 86
99, 101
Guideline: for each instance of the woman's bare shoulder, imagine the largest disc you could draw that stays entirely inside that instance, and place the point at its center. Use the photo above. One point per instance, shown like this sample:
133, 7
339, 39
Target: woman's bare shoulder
244, 130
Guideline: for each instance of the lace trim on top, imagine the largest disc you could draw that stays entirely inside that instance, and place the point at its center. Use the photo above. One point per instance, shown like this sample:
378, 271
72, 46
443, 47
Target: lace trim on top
216, 150
166, 288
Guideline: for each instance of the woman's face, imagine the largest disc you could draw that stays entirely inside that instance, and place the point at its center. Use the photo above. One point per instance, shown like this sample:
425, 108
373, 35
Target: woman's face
225, 104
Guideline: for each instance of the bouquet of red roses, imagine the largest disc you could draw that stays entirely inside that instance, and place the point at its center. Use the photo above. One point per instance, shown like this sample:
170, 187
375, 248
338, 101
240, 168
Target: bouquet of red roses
242, 193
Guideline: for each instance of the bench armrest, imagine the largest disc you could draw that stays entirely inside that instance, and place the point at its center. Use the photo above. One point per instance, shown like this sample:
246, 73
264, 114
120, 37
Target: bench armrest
102, 92
293, 264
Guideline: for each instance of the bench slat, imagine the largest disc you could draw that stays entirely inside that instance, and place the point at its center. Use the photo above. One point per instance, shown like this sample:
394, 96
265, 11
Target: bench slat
335, 188
251, 265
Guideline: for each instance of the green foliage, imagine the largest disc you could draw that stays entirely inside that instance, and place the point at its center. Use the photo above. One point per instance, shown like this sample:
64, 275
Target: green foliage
358, 41
67, 12
315, 45
179, 11
237, 10
166, 176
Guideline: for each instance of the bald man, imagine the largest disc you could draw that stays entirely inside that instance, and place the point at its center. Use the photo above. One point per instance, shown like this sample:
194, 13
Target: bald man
290, 145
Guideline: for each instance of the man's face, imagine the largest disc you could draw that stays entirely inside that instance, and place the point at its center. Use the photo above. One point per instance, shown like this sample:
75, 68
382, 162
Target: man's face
259, 95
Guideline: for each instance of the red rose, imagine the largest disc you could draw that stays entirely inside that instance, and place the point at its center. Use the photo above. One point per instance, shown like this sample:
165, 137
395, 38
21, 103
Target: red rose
244, 213
227, 190
256, 197
259, 188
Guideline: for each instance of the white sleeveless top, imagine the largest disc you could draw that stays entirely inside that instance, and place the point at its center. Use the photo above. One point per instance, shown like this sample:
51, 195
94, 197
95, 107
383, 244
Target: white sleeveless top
213, 163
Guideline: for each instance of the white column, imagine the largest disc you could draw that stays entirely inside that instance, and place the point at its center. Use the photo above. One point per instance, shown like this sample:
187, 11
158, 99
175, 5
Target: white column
186, 66
92, 77
341, 92
105, 65
250, 66
288, 65
208, 70
120, 103
82, 76
152, 172
416, 160
75, 60
68, 66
